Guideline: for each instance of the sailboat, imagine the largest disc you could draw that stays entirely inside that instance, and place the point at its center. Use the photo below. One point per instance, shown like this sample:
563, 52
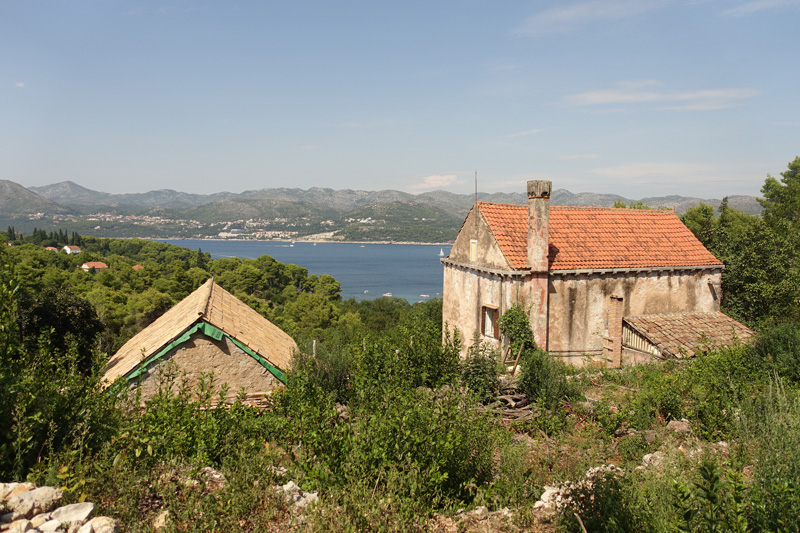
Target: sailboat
441, 252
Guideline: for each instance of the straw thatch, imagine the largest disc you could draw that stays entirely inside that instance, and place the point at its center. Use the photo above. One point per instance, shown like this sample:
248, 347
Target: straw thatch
216, 306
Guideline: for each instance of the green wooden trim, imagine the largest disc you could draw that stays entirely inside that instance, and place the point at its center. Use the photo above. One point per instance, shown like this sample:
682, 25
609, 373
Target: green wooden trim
210, 331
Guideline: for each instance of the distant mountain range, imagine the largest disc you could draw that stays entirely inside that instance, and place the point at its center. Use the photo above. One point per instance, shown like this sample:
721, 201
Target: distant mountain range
75, 197
351, 214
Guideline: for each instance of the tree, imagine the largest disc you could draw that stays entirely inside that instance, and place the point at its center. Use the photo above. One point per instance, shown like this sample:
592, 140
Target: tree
66, 319
782, 198
620, 204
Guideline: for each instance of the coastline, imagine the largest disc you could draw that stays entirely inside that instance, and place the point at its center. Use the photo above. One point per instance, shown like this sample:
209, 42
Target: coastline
292, 241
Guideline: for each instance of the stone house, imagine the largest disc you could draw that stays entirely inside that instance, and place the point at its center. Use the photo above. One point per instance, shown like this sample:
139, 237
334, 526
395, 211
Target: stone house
93, 266
601, 285
208, 331
71, 249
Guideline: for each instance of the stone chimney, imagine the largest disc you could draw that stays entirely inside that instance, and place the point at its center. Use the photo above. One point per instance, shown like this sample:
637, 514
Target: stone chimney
539, 224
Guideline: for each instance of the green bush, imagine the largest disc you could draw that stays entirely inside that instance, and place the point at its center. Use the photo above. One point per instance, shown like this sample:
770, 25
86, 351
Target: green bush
480, 371
544, 379
778, 346
771, 424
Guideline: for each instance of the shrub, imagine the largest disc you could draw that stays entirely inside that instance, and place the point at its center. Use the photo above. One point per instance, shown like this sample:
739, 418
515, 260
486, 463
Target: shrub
544, 379
480, 371
772, 426
778, 345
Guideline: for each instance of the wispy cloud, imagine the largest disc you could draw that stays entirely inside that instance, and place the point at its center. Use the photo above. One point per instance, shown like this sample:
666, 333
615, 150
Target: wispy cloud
437, 181
761, 5
578, 14
20, 84
580, 156
633, 92
524, 133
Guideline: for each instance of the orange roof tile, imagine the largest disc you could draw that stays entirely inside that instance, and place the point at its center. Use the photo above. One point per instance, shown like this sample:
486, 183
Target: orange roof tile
94, 264
587, 238
685, 333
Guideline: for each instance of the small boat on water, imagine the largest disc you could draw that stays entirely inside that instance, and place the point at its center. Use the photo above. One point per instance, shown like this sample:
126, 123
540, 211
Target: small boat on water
424, 295
366, 292
441, 252
387, 294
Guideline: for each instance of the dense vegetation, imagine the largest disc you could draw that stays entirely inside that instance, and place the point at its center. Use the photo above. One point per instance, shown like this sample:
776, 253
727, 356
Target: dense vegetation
385, 420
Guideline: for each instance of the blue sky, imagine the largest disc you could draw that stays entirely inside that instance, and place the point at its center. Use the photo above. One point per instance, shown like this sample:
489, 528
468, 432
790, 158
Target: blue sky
632, 97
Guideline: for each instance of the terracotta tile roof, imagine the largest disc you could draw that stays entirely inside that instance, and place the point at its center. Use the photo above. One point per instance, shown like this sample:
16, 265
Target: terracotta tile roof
599, 238
683, 333
213, 304
97, 265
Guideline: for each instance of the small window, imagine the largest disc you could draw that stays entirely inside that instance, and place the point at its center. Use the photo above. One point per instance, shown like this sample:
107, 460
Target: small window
473, 251
489, 322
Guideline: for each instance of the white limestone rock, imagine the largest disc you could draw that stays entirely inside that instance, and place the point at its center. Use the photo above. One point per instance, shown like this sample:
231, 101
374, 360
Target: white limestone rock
100, 524
19, 526
36, 501
50, 526
74, 513
9, 489
679, 426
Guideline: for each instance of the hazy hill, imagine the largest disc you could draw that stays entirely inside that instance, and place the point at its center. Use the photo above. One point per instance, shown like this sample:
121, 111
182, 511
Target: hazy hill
340, 200
315, 202
71, 194
242, 208
399, 221
16, 200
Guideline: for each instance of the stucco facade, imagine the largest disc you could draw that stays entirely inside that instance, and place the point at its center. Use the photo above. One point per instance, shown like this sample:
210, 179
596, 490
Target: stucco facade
199, 355
567, 267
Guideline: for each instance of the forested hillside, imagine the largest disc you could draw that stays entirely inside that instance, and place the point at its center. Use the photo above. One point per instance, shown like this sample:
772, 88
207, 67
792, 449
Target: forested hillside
383, 420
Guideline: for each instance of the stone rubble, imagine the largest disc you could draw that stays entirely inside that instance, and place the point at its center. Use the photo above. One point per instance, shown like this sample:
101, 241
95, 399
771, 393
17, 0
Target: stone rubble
554, 498
297, 496
26, 508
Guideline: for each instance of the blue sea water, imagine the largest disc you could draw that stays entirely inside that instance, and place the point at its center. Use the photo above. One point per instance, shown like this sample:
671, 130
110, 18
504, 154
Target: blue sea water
364, 271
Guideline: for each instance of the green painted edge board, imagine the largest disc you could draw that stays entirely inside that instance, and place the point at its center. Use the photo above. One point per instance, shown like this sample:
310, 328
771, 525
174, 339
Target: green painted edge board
210, 331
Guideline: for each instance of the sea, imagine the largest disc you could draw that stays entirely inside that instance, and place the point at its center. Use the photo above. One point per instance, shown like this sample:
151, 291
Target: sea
364, 271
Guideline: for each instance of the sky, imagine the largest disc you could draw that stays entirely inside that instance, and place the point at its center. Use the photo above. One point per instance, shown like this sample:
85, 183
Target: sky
631, 97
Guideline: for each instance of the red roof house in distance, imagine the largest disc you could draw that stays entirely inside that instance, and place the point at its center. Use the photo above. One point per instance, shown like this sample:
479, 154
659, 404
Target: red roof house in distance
94, 266
587, 277
137, 267
69, 249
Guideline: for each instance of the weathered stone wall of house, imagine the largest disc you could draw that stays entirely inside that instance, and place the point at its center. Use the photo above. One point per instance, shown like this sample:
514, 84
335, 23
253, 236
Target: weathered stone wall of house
468, 291
202, 354
579, 304
487, 253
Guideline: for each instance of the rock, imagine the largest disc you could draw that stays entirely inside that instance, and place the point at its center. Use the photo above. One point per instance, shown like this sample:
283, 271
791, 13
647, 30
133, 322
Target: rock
679, 426
50, 526
549, 499
9, 517
40, 519
73, 513
100, 524
653, 459
19, 526
35, 501
9, 489
479, 513
160, 521
307, 499
297, 496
